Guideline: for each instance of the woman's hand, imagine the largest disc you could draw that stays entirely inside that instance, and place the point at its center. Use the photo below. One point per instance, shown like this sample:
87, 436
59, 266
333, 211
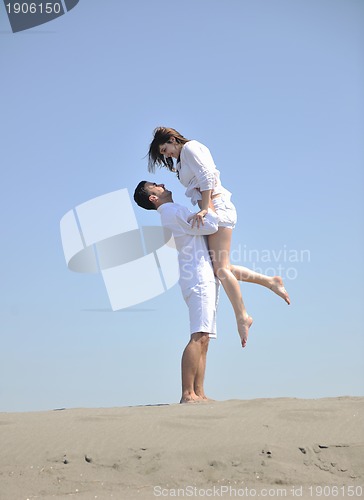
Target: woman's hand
197, 218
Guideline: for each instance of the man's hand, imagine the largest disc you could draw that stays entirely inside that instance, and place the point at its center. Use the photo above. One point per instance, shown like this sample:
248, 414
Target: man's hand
197, 218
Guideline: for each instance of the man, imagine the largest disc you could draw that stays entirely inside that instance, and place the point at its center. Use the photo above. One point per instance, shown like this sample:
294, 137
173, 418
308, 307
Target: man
198, 283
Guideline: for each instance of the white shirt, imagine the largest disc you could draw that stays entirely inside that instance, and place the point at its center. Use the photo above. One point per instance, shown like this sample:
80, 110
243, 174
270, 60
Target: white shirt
197, 172
194, 261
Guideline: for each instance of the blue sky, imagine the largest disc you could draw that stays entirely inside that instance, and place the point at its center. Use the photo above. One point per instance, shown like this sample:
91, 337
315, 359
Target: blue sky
274, 89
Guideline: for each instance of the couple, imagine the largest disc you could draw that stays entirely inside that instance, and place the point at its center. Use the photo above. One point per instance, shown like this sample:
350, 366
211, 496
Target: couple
202, 260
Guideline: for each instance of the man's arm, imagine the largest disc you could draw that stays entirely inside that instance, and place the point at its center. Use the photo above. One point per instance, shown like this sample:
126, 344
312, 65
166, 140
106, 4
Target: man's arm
208, 227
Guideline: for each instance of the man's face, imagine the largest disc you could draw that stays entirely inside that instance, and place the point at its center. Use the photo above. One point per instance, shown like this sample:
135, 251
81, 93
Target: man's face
157, 190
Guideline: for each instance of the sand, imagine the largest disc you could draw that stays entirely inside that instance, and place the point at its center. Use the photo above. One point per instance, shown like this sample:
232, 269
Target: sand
267, 448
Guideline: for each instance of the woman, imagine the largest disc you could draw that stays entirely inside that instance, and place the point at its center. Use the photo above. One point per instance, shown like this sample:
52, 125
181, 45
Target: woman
196, 170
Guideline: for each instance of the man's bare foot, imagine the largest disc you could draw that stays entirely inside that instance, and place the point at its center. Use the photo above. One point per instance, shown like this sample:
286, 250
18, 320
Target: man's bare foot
204, 398
190, 398
278, 288
243, 328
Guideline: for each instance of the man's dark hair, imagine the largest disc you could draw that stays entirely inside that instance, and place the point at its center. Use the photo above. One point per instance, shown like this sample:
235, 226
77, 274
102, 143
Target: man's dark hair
141, 197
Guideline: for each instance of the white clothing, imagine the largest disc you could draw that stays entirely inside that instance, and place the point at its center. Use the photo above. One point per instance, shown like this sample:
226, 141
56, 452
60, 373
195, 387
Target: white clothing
197, 172
195, 265
226, 212
197, 280
202, 303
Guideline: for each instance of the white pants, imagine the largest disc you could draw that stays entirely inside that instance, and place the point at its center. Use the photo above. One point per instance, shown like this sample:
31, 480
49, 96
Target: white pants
202, 302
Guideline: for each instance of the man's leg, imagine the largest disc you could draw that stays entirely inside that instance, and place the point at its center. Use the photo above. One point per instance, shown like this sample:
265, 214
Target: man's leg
191, 360
200, 375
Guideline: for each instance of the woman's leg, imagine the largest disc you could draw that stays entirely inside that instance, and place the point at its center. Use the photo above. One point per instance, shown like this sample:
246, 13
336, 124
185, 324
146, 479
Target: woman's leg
219, 246
274, 283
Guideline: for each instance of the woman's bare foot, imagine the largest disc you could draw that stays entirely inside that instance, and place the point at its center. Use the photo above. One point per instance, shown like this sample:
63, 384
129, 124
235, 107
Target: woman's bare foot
243, 328
278, 288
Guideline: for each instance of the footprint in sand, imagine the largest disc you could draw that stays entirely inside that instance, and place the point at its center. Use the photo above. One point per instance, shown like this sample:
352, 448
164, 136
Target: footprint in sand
337, 458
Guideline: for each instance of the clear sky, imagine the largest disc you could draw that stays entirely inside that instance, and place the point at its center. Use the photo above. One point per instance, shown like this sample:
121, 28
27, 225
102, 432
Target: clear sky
275, 89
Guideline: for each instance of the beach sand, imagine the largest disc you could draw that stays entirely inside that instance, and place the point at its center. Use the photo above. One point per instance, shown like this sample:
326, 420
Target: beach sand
267, 448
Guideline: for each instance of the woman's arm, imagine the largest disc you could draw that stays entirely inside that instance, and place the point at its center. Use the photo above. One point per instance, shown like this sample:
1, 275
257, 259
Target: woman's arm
205, 202
200, 164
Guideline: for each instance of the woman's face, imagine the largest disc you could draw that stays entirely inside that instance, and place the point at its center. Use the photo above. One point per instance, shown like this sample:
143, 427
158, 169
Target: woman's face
170, 149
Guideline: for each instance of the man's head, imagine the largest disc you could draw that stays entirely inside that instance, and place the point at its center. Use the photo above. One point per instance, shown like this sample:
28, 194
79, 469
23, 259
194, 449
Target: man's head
150, 195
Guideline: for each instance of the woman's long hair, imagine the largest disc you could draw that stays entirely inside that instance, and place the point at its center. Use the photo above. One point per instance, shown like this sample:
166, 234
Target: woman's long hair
161, 136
